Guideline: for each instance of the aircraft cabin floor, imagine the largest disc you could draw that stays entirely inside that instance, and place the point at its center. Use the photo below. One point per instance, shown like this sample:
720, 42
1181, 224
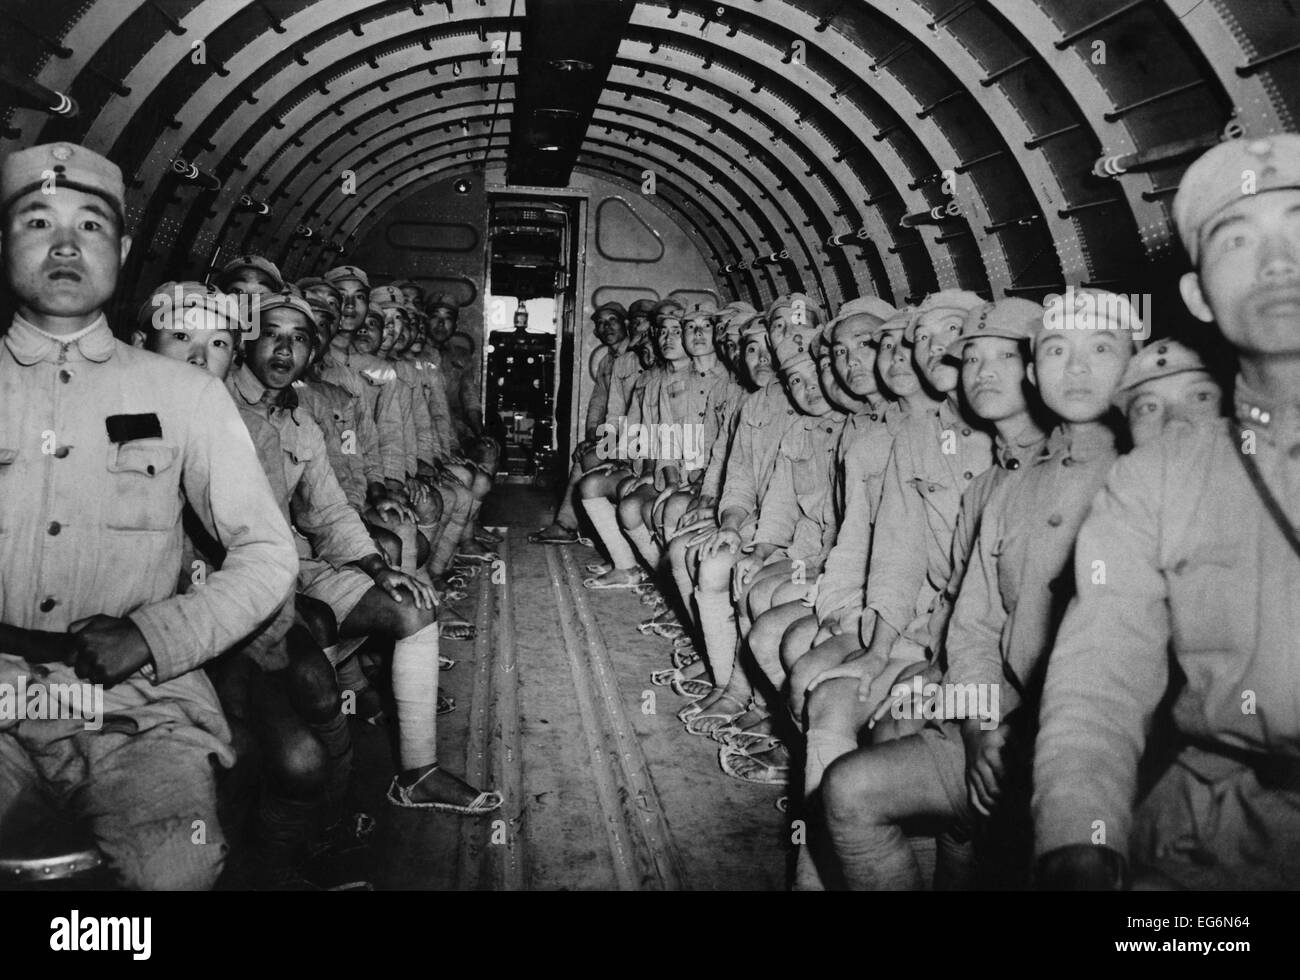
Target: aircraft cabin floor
600, 794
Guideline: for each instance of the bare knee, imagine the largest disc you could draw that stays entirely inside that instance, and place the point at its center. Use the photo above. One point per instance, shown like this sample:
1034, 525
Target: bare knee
389, 545
408, 620
318, 618
592, 486
789, 592
833, 705
714, 574
313, 686
797, 639
846, 796
297, 764
629, 511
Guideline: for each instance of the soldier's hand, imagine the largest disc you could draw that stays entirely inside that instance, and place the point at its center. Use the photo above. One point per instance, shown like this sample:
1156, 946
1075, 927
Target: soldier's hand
985, 770
394, 510
929, 673
394, 583
724, 538
745, 571
107, 649
862, 666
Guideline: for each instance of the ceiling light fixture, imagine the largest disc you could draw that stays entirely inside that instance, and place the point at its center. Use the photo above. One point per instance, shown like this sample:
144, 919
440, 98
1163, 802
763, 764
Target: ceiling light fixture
570, 64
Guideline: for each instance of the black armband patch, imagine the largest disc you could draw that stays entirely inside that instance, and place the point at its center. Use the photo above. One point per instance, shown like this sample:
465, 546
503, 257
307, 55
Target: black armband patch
125, 428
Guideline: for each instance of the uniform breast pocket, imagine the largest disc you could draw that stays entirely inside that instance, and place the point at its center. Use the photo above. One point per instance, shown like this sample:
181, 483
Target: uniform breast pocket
143, 486
942, 503
1211, 596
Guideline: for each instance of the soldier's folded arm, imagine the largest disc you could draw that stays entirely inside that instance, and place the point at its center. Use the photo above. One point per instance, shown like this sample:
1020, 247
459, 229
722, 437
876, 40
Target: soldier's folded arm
1108, 669
228, 490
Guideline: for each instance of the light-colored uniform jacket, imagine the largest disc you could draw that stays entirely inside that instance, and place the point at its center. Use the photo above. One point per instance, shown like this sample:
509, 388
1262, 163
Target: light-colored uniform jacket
798, 510
861, 458
340, 419
1020, 576
91, 526
1179, 553
317, 504
911, 550
764, 417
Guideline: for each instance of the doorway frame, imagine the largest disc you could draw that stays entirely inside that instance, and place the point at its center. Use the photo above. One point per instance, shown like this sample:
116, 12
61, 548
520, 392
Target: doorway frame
567, 323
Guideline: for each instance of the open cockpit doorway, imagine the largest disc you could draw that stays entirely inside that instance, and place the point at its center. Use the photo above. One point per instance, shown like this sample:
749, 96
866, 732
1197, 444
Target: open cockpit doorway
532, 292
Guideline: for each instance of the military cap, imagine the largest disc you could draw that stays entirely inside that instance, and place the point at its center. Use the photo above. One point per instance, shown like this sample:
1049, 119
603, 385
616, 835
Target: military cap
669, 308
796, 358
1087, 308
341, 272
319, 305
899, 321
404, 284
862, 306
72, 165
645, 307
1220, 176
704, 309
387, 297
618, 308
1158, 360
793, 301
957, 300
749, 325
441, 301
1012, 318
316, 282
250, 261
738, 306
173, 296
286, 299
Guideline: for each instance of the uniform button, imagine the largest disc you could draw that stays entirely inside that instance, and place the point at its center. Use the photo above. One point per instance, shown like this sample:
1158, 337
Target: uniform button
48, 603
1013, 464
933, 488
65, 375
1055, 520
55, 527
965, 432
61, 452
968, 475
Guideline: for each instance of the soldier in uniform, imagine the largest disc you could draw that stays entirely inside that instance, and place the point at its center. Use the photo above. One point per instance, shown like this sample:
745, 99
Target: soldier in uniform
970, 769
1165, 384
1192, 547
609, 320
92, 538
250, 275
